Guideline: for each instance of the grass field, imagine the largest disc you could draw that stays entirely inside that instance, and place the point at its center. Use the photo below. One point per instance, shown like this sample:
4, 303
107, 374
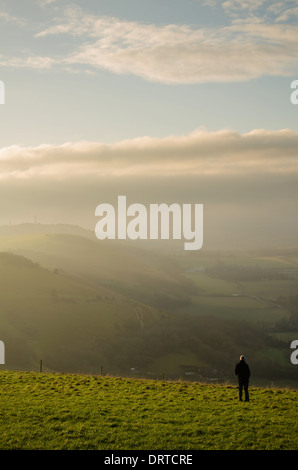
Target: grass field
63, 411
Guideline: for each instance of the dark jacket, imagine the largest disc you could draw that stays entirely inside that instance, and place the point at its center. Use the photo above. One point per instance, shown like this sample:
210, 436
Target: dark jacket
242, 370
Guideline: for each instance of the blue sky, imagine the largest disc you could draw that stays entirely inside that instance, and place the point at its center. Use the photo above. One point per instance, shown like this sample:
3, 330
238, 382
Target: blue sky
163, 86
59, 87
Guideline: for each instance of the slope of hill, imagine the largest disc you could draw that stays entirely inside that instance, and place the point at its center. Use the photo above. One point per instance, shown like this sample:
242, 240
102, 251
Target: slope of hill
73, 326
85, 412
79, 304
62, 320
143, 275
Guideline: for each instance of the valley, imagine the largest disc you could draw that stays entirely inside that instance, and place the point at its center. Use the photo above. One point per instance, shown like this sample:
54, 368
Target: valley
82, 306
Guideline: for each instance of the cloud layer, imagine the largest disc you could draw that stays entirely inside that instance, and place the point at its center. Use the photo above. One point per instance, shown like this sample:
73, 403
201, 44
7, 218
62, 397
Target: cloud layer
222, 153
177, 54
248, 47
247, 182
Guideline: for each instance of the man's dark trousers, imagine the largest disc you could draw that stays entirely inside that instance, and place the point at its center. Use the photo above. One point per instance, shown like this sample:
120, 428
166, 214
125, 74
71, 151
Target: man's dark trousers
243, 384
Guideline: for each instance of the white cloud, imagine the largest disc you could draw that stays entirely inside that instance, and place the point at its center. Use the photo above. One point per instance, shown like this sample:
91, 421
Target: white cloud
288, 14
247, 48
176, 54
222, 153
10, 18
247, 182
45, 2
242, 4
34, 62
264, 6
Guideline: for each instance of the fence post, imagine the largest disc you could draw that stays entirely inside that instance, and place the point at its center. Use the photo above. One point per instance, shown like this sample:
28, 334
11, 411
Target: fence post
40, 366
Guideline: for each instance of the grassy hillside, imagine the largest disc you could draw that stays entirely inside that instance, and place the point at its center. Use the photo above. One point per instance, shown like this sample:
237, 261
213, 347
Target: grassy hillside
142, 275
76, 327
52, 411
223, 284
68, 323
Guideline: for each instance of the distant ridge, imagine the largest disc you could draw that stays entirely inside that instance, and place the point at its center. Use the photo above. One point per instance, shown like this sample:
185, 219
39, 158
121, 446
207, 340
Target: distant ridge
35, 228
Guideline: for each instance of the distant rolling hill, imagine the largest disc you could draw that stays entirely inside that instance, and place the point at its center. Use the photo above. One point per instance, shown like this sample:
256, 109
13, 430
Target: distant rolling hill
66, 322
143, 275
75, 327
79, 303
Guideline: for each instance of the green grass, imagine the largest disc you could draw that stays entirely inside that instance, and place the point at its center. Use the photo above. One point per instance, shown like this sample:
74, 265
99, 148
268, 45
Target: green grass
55, 411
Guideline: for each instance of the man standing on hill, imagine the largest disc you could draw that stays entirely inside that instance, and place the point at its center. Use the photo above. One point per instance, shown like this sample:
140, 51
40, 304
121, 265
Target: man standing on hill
243, 373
